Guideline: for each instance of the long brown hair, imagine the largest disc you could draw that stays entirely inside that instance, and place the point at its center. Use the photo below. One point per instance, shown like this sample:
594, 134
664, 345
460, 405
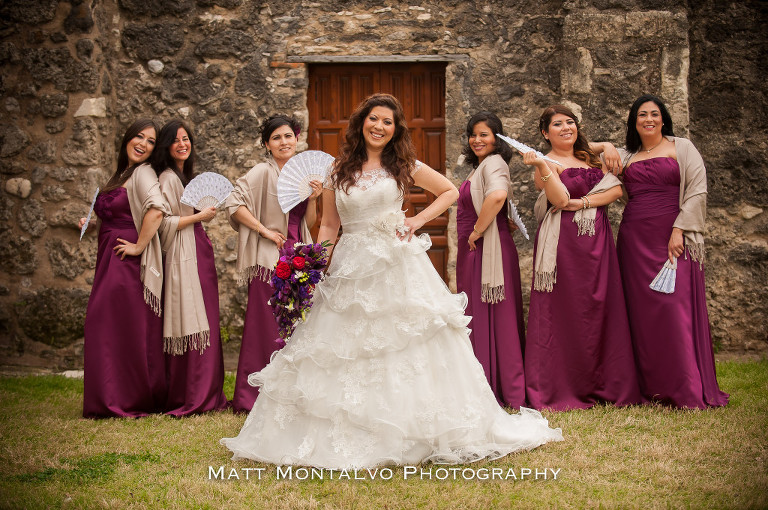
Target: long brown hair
123, 173
398, 157
161, 158
581, 148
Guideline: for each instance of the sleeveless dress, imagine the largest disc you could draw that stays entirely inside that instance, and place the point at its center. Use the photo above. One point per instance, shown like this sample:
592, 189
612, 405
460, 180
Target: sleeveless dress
123, 351
498, 332
670, 332
259, 326
578, 349
382, 371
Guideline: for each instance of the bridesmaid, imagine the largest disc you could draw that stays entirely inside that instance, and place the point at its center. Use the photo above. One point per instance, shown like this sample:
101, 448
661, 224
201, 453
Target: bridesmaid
194, 359
487, 267
666, 186
124, 367
262, 229
578, 350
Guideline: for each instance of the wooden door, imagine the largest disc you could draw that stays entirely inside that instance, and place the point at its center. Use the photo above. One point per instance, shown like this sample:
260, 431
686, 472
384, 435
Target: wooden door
336, 89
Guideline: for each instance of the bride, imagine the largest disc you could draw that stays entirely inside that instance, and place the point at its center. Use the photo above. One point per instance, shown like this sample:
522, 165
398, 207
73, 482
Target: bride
382, 371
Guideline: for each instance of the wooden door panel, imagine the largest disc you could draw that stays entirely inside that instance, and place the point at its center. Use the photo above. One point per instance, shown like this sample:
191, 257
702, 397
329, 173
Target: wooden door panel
336, 89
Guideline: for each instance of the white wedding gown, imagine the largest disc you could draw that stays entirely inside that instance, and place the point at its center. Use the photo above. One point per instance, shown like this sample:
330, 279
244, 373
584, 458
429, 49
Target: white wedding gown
382, 372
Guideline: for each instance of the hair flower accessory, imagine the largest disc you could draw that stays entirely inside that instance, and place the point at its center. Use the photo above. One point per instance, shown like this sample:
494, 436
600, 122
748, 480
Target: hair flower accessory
297, 271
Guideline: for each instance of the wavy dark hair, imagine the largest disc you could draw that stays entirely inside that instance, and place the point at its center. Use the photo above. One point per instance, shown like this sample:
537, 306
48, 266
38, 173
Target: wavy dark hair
276, 121
501, 147
123, 172
581, 147
398, 157
633, 142
162, 159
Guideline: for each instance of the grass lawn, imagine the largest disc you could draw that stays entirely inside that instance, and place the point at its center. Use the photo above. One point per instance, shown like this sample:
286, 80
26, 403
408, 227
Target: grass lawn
640, 457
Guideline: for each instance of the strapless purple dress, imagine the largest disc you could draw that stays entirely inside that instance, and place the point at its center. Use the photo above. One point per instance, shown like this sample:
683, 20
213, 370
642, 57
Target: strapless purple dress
498, 332
670, 332
124, 365
578, 350
259, 327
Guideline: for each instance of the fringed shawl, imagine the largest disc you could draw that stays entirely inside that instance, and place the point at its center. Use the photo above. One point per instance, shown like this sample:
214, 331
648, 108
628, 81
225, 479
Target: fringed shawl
693, 195
185, 324
143, 194
491, 175
545, 263
257, 191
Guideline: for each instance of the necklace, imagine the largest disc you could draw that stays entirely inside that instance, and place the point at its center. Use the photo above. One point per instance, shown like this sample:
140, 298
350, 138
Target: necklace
649, 150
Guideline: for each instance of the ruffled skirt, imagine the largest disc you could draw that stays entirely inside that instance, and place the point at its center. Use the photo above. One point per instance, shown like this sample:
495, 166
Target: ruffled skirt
382, 372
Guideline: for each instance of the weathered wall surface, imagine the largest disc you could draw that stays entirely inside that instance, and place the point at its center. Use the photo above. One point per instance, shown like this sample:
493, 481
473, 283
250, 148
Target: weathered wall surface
75, 74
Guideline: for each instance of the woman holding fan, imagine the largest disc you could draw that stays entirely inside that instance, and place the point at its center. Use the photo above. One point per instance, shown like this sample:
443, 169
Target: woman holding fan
194, 359
663, 221
263, 228
578, 350
487, 268
124, 366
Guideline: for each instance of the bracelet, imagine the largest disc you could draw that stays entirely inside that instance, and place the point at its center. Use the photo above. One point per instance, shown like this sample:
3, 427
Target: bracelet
545, 178
589, 204
474, 229
583, 203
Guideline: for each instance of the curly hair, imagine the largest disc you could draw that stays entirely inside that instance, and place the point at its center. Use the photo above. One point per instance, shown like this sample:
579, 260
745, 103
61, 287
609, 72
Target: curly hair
398, 157
276, 121
500, 146
633, 142
581, 148
123, 173
161, 157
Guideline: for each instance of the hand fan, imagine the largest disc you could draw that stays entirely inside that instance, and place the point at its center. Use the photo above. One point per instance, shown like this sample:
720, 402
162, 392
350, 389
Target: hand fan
512, 215
665, 280
521, 147
208, 189
90, 212
293, 183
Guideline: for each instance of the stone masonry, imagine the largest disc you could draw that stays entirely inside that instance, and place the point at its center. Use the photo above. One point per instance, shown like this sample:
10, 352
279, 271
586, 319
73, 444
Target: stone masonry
75, 74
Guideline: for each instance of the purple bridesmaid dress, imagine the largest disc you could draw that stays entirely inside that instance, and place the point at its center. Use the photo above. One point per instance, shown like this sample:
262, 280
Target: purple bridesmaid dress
196, 381
578, 350
124, 365
670, 332
260, 328
497, 329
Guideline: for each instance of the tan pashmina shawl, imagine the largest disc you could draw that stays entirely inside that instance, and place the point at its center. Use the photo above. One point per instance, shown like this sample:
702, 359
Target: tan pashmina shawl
144, 193
545, 264
257, 191
185, 324
491, 175
693, 194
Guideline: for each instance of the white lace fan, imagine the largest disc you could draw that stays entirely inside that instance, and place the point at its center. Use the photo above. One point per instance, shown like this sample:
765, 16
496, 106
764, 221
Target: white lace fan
514, 216
208, 189
521, 147
293, 183
90, 212
665, 280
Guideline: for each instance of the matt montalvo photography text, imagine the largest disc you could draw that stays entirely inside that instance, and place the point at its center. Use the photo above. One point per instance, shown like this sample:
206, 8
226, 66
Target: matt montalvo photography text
408, 473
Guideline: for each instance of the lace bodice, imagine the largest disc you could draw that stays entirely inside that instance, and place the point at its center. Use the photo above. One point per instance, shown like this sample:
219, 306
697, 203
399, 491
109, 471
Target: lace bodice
374, 196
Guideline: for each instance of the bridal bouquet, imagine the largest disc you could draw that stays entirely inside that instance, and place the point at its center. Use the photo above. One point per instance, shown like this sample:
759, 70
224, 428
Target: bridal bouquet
297, 271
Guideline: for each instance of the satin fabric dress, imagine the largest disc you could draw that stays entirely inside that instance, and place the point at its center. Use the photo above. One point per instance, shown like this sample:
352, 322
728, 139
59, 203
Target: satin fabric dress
578, 350
123, 351
498, 331
260, 328
195, 380
670, 332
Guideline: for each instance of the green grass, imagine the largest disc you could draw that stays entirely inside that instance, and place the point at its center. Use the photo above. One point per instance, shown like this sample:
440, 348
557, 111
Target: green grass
640, 457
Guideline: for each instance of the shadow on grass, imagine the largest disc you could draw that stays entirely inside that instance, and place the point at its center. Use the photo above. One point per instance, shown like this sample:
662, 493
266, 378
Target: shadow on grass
95, 468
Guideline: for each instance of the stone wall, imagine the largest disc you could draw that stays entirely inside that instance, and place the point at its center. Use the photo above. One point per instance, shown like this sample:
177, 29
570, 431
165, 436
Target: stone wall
75, 74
